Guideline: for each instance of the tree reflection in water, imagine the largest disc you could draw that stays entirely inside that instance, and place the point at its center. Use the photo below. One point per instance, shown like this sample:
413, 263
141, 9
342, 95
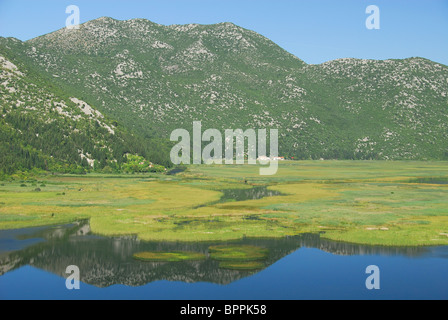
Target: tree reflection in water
107, 261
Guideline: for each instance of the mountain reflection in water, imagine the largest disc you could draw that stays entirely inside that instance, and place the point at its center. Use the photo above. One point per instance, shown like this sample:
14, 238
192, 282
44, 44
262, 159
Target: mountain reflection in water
107, 261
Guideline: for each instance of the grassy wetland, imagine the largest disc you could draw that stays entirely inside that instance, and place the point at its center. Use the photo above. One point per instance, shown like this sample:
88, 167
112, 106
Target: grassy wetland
396, 203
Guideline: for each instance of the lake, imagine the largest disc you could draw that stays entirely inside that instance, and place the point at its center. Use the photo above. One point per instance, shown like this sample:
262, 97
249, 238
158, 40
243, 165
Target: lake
33, 263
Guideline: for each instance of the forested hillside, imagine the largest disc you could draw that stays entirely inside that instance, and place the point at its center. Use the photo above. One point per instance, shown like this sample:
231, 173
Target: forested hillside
116, 87
43, 128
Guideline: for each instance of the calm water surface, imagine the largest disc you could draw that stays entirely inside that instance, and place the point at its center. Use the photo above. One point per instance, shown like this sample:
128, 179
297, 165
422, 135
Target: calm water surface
33, 263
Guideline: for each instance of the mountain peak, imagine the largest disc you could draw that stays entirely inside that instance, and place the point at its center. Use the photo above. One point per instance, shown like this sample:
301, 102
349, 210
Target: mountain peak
156, 76
105, 19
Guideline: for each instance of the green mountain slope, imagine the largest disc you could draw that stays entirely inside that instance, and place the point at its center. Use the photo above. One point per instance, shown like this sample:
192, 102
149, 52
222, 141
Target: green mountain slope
157, 78
42, 127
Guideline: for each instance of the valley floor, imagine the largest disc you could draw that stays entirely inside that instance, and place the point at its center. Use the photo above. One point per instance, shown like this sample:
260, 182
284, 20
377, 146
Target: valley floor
400, 203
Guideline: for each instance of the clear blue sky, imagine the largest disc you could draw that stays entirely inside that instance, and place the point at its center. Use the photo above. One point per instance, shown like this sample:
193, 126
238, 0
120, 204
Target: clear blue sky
313, 30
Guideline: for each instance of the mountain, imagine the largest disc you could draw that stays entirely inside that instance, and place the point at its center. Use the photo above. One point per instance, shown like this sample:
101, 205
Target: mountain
155, 78
43, 127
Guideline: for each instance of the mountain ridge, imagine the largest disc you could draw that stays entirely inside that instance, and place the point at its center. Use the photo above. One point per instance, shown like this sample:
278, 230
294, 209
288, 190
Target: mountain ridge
157, 78
173, 26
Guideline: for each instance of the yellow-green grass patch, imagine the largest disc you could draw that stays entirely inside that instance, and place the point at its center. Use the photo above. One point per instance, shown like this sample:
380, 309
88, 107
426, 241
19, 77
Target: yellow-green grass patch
237, 252
241, 265
349, 200
169, 256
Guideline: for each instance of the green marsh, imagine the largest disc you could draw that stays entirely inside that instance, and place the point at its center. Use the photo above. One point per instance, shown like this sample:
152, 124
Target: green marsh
396, 203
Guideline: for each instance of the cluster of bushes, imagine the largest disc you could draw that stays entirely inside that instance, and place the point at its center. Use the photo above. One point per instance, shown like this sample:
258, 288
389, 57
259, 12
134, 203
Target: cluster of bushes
136, 163
132, 164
